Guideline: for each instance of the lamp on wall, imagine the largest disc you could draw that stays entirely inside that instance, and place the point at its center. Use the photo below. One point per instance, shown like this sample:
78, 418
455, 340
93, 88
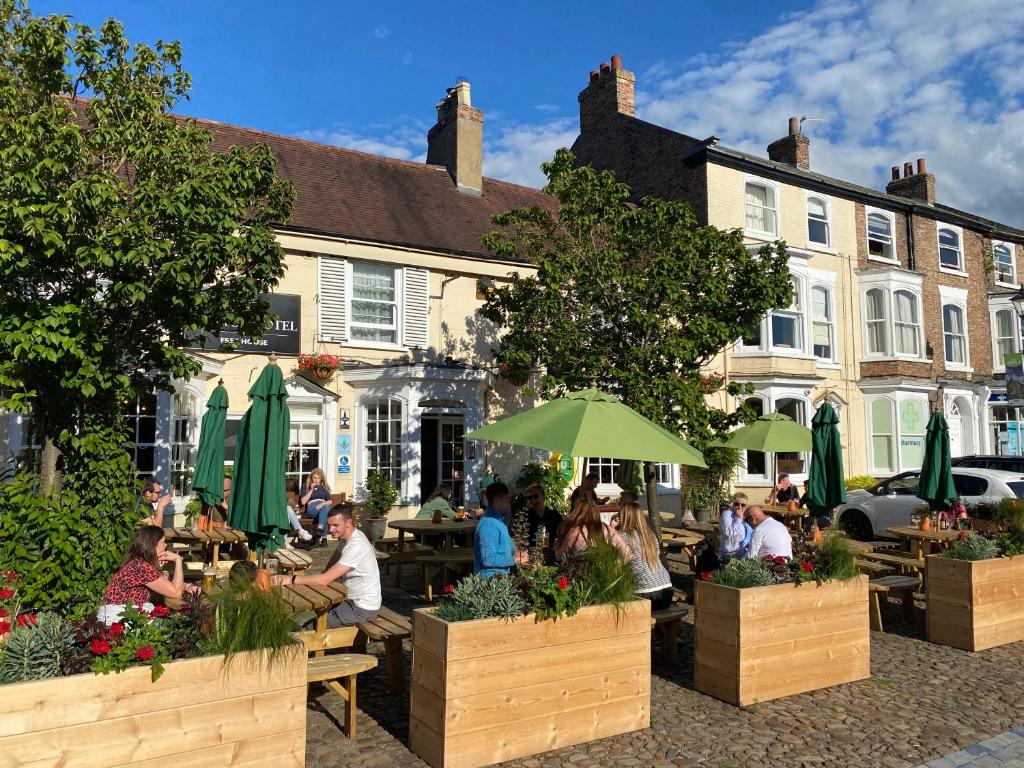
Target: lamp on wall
343, 423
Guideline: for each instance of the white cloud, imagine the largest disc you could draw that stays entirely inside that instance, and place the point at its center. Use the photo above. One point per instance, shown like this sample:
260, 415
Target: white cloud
516, 152
381, 31
394, 144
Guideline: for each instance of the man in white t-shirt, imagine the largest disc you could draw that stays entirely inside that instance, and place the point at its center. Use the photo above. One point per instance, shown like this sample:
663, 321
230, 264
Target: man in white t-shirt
354, 564
770, 536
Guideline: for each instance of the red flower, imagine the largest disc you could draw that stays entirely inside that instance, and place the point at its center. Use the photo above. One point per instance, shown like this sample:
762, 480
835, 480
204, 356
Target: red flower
11, 575
806, 567
5, 627
962, 536
160, 612
6, 594
145, 653
28, 619
704, 576
563, 583
779, 560
449, 588
4, 613
116, 630
99, 647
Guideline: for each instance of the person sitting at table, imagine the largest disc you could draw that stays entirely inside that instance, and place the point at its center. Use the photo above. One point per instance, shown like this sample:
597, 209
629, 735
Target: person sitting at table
139, 581
770, 537
652, 579
493, 548
582, 526
316, 498
440, 500
734, 533
354, 564
538, 514
587, 490
783, 491
291, 486
627, 497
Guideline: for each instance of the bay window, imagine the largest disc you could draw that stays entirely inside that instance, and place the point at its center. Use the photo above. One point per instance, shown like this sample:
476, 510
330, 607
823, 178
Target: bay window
907, 324
876, 317
897, 424
787, 324
891, 307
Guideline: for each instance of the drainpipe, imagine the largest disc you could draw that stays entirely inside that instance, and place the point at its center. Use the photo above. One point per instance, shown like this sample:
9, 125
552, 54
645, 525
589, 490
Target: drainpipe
911, 259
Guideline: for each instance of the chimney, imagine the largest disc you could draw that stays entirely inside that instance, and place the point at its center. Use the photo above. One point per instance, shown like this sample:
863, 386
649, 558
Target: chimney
794, 149
456, 141
916, 186
609, 93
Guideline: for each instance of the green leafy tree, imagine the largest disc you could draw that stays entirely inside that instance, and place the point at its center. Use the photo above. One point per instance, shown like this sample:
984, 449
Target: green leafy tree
631, 299
123, 234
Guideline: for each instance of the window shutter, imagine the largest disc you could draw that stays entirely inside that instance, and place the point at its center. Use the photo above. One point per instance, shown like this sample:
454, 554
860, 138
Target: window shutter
415, 307
332, 309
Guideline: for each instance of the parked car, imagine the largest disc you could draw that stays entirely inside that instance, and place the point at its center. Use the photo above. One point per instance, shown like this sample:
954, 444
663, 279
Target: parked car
1003, 463
868, 513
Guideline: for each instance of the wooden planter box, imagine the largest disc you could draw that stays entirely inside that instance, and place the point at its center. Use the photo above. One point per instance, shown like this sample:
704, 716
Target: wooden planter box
762, 643
198, 714
975, 604
490, 690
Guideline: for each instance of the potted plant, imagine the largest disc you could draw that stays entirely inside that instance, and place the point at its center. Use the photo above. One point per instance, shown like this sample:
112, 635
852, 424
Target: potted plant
319, 366
702, 494
515, 368
382, 497
772, 627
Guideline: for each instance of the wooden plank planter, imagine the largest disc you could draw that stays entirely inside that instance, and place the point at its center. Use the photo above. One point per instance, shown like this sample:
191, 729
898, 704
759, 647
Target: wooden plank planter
762, 643
489, 690
975, 604
199, 714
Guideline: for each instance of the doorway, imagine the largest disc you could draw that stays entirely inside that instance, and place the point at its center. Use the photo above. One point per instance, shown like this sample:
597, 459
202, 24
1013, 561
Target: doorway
443, 451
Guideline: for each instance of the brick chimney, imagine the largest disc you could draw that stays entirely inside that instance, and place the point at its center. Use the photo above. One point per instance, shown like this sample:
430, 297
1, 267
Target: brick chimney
917, 186
456, 141
794, 149
609, 93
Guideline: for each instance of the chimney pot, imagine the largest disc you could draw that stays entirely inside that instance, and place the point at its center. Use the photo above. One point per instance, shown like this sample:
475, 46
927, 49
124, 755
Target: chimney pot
794, 126
908, 170
921, 168
895, 173
616, 62
605, 68
594, 75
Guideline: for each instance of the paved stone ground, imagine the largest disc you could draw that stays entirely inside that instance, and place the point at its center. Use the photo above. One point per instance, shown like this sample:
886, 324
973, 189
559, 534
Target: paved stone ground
922, 702
1003, 751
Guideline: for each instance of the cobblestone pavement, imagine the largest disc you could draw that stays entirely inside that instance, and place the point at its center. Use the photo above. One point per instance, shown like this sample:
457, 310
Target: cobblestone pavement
922, 702
1003, 751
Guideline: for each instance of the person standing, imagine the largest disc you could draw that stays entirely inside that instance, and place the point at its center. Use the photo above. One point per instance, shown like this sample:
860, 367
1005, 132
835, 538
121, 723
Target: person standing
493, 548
538, 514
354, 564
770, 537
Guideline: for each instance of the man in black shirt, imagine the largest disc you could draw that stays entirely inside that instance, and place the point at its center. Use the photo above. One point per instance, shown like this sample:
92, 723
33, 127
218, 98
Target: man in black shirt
587, 490
537, 515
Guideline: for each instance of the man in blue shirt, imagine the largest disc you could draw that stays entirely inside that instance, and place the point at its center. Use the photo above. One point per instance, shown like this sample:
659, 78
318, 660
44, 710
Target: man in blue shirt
493, 549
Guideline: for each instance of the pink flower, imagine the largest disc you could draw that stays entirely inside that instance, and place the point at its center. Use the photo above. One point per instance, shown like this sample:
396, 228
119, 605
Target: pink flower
99, 647
806, 567
145, 653
6, 594
563, 583
28, 619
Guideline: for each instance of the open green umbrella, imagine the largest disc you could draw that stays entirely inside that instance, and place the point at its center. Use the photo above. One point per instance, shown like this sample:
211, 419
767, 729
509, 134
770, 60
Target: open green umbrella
258, 500
629, 477
936, 483
591, 423
771, 433
827, 486
208, 478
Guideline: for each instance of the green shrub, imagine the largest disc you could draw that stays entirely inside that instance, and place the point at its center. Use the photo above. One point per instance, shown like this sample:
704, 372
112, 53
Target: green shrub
550, 479
248, 619
860, 482
383, 494
742, 573
37, 651
477, 597
838, 561
605, 578
971, 547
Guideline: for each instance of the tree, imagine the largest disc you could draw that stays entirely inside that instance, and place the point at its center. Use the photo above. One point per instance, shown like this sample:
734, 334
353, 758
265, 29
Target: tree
631, 299
123, 235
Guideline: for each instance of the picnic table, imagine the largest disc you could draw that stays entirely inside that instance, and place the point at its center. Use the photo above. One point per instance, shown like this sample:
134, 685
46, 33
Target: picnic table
291, 560
421, 529
444, 560
793, 518
686, 541
914, 539
306, 598
209, 540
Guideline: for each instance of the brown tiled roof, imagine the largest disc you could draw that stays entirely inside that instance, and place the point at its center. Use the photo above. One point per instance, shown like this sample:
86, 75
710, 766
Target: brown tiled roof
346, 193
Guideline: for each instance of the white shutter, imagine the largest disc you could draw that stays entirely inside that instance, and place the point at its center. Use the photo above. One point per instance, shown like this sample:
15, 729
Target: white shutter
332, 309
415, 305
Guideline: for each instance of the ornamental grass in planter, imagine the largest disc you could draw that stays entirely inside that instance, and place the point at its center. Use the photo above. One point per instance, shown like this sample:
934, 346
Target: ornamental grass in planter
523, 664
774, 627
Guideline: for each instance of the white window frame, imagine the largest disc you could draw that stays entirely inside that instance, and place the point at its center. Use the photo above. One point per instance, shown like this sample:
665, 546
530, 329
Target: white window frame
773, 189
891, 217
997, 305
889, 281
897, 323
402, 437
894, 401
770, 394
1012, 282
956, 297
961, 271
820, 278
399, 308
670, 488
826, 203
803, 275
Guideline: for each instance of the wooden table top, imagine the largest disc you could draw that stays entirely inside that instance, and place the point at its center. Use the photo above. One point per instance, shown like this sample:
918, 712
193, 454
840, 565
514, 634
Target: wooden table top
783, 510
429, 526
303, 598
913, 532
221, 536
459, 555
292, 559
678, 534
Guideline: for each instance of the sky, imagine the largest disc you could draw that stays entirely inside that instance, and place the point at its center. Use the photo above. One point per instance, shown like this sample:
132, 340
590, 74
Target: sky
891, 81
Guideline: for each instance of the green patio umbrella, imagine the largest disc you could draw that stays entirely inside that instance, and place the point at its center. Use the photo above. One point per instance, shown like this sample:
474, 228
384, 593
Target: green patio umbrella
771, 433
591, 423
208, 478
629, 477
258, 500
827, 486
936, 483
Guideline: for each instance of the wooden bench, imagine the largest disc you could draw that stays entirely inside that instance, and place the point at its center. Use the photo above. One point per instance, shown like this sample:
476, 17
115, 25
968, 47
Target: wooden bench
398, 558
903, 563
339, 673
899, 586
454, 560
873, 569
391, 629
666, 623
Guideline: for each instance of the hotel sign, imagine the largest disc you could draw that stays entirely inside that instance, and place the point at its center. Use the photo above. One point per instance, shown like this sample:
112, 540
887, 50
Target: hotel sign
284, 336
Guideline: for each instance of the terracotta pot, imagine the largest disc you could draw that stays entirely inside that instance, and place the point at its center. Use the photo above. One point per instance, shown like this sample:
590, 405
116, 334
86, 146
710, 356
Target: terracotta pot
926, 523
794, 505
202, 522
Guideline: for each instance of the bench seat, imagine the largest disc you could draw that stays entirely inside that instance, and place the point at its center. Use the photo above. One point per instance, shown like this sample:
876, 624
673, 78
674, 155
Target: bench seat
391, 629
341, 667
900, 586
666, 623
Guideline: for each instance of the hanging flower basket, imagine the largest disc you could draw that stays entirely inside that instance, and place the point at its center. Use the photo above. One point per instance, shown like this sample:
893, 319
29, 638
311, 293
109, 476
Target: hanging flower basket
711, 383
517, 377
321, 367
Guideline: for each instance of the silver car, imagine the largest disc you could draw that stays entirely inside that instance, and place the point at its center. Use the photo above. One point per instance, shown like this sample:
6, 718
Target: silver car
868, 513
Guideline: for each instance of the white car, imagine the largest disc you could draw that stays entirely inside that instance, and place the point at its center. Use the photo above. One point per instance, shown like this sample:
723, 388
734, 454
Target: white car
868, 513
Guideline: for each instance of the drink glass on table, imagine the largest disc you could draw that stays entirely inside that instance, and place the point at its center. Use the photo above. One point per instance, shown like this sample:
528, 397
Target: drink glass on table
209, 574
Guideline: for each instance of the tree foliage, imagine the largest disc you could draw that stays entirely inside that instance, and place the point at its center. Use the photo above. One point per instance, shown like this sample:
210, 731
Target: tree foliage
631, 299
123, 234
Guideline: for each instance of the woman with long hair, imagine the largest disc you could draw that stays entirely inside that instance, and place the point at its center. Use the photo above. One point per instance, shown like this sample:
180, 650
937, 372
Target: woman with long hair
652, 579
139, 580
583, 525
439, 501
315, 496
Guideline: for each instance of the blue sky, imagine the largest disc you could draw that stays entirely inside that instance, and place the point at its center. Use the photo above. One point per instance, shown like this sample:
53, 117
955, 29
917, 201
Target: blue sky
896, 79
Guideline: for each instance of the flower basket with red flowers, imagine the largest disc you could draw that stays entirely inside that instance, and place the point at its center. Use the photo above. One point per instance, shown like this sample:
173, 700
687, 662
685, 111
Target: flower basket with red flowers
711, 382
319, 366
515, 368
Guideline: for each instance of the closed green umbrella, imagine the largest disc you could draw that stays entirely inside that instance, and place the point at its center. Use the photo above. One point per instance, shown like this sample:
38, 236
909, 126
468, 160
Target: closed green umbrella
629, 476
827, 485
208, 478
591, 423
936, 483
258, 500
